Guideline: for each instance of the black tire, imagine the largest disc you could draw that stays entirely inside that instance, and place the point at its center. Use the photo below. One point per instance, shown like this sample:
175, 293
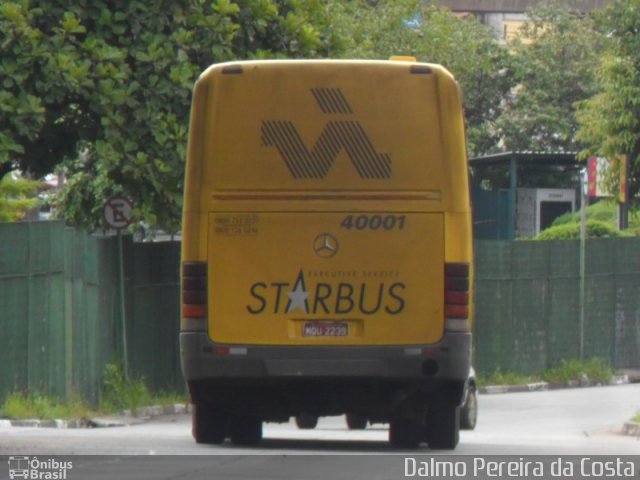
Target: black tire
306, 421
469, 411
208, 424
405, 434
356, 422
246, 431
443, 426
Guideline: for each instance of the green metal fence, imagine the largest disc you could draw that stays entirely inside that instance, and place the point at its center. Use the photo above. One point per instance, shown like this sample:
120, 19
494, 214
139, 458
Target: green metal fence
60, 316
60, 307
527, 303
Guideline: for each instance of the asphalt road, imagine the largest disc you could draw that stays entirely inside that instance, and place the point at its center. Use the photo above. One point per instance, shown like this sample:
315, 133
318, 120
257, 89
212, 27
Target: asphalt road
564, 422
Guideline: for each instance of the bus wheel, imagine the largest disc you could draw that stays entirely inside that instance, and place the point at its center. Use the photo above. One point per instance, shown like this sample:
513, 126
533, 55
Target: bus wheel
405, 433
443, 426
208, 424
306, 421
356, 422
245, 430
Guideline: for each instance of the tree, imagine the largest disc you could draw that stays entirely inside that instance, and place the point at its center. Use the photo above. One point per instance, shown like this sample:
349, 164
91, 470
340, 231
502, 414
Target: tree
555, 56
468, 49
482, 66
17, 196
102, 88
610, 120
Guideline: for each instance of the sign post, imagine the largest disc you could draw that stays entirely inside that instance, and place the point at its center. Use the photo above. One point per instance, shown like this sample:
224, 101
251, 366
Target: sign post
585, 186
118, 215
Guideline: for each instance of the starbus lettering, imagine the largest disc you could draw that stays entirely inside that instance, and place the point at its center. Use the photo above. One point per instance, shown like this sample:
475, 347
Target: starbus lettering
344, 298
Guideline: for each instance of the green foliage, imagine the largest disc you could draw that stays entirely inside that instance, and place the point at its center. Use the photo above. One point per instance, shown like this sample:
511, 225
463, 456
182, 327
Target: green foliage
117, 395
604, 211
468, 49
594, 370
554, 56
610, 120
19, 406
17, 196
499, 377
482, 66
104, 89
569, 231
120, 394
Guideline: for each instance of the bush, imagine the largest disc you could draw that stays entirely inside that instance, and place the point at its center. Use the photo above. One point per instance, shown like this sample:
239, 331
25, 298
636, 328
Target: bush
603, 211
120, 394
568, 231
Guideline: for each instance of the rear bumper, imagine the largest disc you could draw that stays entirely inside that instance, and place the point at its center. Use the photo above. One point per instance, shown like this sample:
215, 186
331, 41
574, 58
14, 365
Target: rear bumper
447, 360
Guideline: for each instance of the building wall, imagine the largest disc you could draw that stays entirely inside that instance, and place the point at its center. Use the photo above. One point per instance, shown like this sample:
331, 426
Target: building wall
506, 16
512, 6
506, 25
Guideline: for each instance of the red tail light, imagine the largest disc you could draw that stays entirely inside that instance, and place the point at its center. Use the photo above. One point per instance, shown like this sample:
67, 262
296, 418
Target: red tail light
456, 295
194, 289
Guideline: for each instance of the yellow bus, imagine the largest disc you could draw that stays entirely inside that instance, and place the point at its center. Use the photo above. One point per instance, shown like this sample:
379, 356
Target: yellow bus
327, 250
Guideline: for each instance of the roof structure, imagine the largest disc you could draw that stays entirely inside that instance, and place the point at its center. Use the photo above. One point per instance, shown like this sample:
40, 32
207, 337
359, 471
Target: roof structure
512, 161
528, 158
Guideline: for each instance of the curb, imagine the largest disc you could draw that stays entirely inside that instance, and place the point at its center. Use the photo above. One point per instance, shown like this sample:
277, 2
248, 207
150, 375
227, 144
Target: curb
631, 429
123, 419
545, 386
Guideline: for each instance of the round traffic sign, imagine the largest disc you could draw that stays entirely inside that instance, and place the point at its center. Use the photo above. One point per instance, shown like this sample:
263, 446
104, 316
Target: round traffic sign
118, 212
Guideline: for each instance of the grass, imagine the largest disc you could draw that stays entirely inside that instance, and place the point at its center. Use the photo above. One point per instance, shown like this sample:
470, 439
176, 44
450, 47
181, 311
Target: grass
506, 378
636, 418
120, 394
117, 395
19, 406
594, 369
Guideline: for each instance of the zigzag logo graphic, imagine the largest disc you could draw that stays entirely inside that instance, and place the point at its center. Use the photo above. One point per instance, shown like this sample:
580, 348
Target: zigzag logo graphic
338, 135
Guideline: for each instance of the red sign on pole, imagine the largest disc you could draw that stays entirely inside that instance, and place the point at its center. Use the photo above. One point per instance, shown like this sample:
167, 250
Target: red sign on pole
624, 173
592, 176
117, 212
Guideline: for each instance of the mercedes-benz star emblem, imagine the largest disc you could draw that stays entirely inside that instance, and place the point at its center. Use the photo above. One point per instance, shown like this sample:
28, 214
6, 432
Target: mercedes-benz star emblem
325, 245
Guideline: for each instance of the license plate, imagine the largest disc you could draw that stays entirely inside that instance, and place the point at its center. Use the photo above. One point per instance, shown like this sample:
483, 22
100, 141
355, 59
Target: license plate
325, 329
